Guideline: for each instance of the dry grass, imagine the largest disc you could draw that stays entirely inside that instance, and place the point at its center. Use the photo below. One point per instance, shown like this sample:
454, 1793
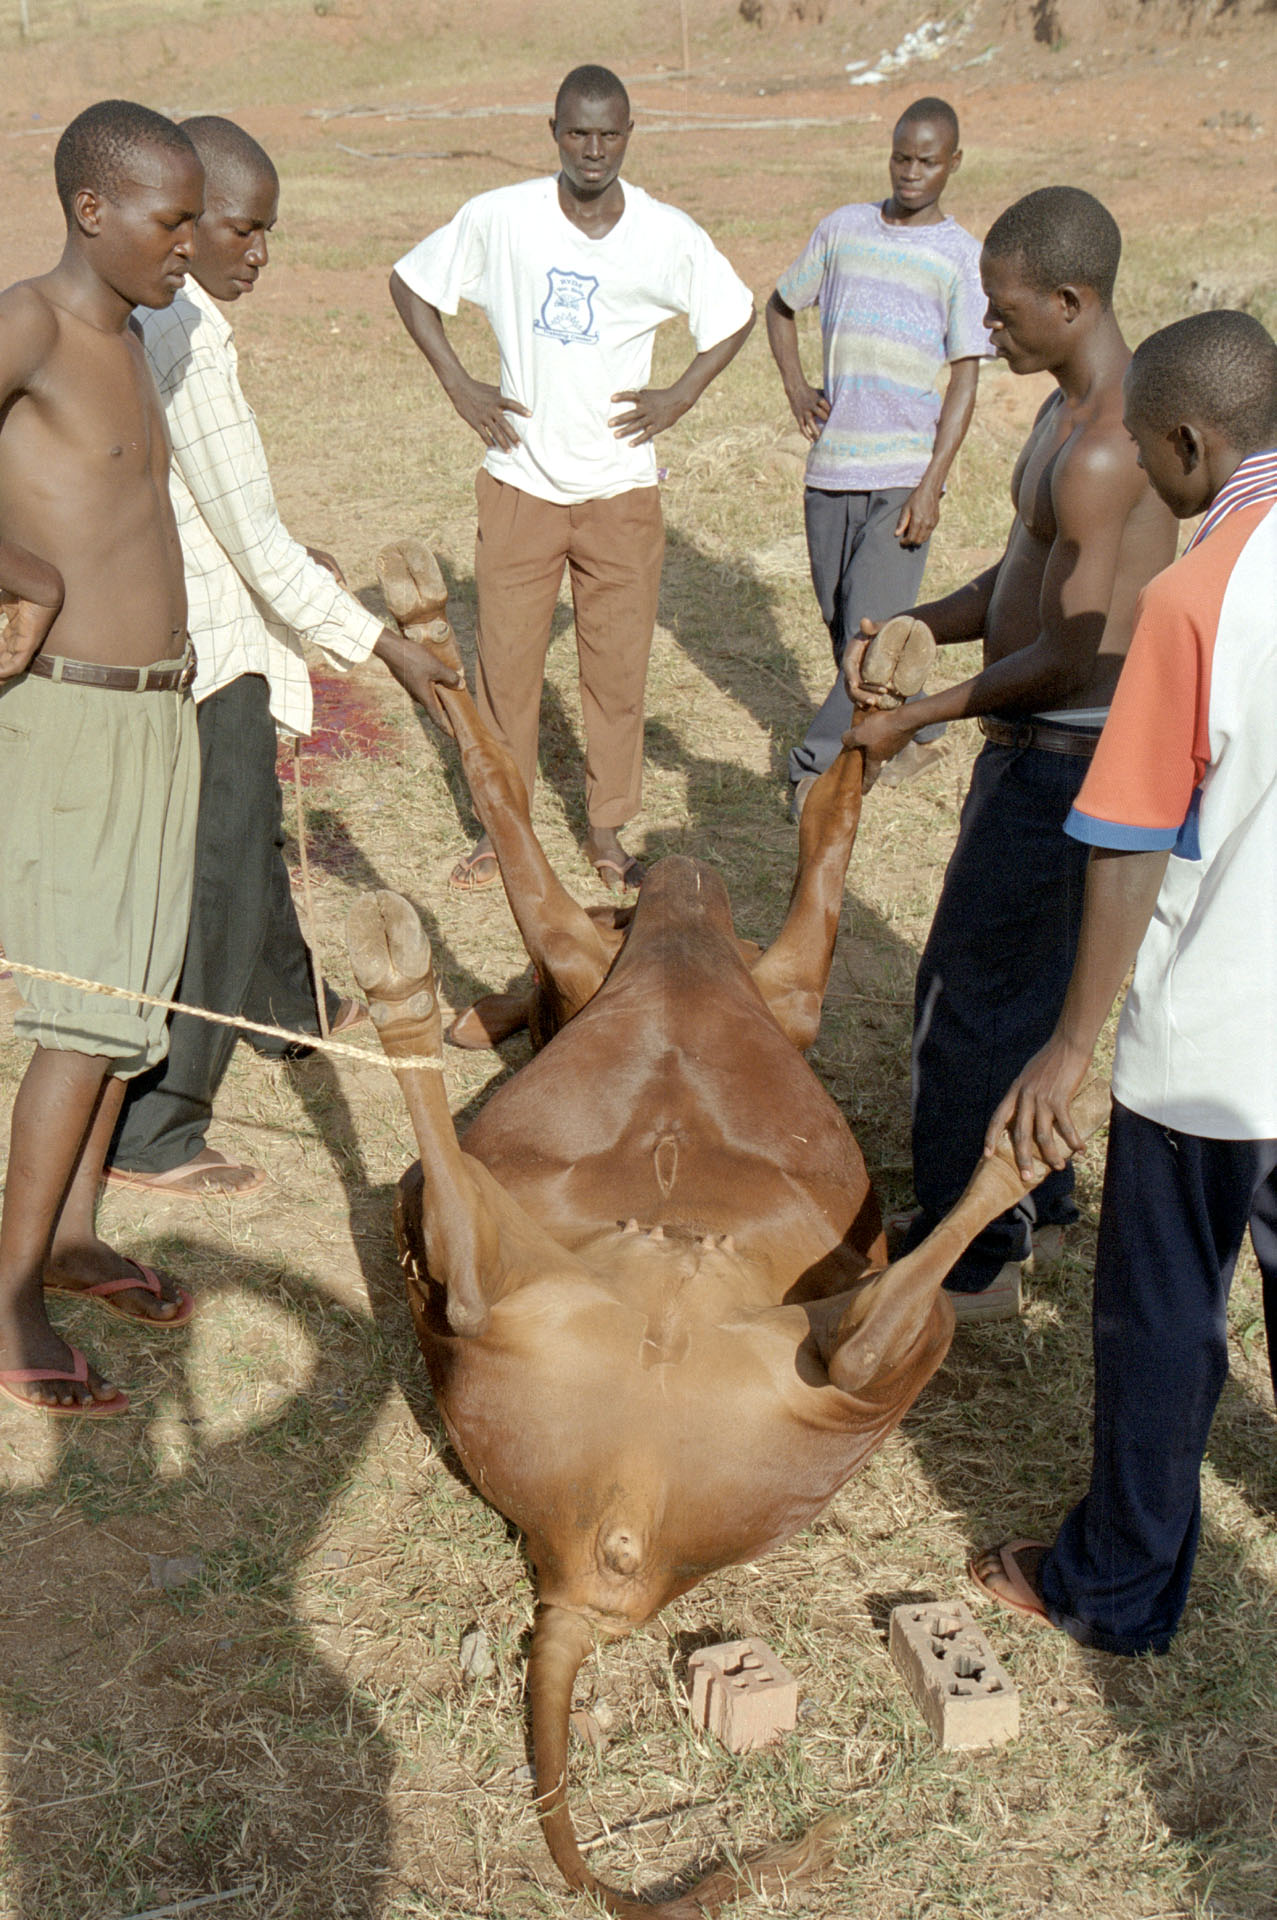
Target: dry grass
294, 1720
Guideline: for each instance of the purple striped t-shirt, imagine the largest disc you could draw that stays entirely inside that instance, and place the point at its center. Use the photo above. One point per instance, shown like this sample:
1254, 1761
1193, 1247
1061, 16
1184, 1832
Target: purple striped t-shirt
896, 303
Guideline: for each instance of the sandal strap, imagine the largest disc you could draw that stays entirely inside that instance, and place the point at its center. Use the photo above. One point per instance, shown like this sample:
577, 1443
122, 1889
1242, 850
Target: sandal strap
147, 1282
32, 1375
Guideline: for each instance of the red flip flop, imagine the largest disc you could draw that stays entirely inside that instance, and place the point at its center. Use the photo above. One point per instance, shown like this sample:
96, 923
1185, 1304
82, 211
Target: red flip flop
149, 1282
1018, 1596
34, 1376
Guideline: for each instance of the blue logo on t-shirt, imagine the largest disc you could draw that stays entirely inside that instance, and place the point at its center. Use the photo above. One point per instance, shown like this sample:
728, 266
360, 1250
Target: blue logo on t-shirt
567, 314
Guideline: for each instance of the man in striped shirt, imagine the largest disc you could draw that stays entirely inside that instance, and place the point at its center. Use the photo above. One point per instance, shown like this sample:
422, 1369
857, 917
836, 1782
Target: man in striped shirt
897, 286
1180, 813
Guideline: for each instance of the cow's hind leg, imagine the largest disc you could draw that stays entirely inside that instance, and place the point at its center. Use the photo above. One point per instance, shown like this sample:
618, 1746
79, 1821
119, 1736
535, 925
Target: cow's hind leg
567, 949
569, 957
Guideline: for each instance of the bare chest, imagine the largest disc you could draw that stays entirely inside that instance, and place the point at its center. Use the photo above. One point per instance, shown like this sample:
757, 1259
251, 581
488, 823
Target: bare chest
93, 413
1034, 475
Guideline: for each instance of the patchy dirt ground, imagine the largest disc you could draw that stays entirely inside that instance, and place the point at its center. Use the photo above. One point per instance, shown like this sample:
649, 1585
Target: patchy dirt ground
285, 1731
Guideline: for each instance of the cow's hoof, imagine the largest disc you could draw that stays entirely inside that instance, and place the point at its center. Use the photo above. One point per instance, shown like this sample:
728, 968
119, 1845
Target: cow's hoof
899, 658
416, 595
415, 590
390, 957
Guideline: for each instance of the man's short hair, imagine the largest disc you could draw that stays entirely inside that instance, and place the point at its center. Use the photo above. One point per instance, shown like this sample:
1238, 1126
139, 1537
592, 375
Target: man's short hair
97, 147
225, 149
938, 112
1215, 369
1063, 237
591, 83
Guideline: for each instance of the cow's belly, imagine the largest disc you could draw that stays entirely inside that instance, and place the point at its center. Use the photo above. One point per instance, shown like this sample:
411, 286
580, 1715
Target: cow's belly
692, 1186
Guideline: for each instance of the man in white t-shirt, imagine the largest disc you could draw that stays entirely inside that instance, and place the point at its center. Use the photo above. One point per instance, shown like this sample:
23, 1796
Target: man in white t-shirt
574, 272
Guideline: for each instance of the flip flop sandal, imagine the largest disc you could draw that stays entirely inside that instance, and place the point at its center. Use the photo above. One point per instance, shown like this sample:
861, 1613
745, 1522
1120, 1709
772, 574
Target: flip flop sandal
622, 870
35, 1376
898, 658
350, 1013
148, 1282
1021, 1598
171, 1181
465, 876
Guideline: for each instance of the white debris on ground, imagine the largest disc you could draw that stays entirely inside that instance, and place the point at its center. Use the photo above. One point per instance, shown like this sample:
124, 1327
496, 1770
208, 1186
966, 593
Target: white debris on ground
926, 42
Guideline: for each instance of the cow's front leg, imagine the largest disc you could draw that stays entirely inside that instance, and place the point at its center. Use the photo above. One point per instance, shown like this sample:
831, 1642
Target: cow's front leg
473, 1239
794, 972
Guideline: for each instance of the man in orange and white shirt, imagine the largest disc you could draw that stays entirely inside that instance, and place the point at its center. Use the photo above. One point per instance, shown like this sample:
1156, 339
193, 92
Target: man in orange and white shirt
1180, 809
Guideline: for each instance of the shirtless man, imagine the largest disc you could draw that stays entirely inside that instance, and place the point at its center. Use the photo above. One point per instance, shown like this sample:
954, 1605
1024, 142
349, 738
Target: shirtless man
98, 759
1056, 615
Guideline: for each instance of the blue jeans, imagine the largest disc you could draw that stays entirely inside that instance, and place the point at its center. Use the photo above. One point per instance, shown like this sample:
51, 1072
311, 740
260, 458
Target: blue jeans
1174, 1210
990, 986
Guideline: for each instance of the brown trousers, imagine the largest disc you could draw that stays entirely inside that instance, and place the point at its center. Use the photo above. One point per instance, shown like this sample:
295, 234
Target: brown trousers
613, 551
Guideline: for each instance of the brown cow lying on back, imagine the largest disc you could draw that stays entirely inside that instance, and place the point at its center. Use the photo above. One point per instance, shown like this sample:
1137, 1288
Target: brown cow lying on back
650, 1288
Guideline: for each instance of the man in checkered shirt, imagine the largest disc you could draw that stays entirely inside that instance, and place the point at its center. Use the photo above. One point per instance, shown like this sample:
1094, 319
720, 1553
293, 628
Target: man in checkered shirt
255, 593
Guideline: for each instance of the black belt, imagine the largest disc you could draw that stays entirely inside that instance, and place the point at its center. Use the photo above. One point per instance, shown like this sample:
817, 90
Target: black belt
1038, 733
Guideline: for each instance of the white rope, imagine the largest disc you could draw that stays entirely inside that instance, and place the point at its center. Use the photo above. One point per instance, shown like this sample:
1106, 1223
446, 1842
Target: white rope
405, 1063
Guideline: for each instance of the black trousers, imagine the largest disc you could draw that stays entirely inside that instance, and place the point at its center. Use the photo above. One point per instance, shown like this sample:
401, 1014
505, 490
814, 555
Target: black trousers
244, 951
1174, 1211
990, 986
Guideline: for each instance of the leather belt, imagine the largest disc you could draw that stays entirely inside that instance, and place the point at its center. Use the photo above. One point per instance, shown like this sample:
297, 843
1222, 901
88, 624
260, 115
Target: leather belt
90, 673
1043, 734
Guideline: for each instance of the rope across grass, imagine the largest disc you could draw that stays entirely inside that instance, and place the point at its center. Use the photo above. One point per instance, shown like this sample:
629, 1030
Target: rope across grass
404, 1063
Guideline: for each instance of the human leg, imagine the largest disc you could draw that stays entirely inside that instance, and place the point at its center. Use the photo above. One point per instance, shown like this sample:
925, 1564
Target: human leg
52, 1113
860, 572
1172, 1217
281, 992
1263, 1237
521, 547
166, 1111
990, 985
78, 1261
617, 548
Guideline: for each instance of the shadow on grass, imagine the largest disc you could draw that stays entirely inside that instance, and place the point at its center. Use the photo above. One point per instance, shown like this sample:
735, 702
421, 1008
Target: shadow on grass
1003, 1436
165, 1743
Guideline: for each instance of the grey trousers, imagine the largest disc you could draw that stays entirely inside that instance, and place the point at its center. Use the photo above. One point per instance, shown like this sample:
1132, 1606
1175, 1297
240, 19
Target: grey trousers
860, 572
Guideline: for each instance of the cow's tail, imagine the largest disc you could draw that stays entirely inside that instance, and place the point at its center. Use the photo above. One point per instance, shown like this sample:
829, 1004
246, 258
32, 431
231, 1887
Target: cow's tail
560, 1642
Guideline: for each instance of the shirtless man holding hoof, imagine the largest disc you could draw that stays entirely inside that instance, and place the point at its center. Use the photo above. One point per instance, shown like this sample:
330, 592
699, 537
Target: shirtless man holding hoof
1056, 616
98, 757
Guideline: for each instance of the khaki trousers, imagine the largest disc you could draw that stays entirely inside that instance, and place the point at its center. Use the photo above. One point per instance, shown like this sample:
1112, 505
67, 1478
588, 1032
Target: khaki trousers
613, 551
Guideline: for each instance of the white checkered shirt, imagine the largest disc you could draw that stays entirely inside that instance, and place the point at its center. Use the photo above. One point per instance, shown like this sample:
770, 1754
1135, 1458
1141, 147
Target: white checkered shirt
253, 590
